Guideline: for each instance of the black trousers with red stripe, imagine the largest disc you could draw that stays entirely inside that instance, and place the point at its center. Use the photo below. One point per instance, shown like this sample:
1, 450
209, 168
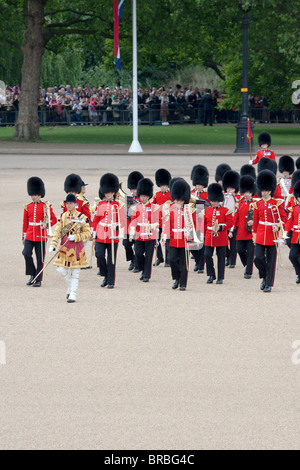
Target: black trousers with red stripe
265, 261
177, 259
39, 248
107, 268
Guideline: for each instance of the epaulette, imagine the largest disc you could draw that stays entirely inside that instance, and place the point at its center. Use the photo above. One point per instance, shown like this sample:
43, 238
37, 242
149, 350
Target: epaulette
279, 202
26, 207
290, 215
290, 209
229, 212
62, 203
254, 205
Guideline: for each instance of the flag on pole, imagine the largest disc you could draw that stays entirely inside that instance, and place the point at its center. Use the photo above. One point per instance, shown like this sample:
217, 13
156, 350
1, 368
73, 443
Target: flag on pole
118, 8
249, 133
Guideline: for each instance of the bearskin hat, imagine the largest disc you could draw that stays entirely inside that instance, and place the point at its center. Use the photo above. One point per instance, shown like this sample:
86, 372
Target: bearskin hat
247, 183
264, 138
286, 163
298, 163
220, 170
266, 181
73, 183
181, 191
248, 170
231, 179
297, 190
215, 192
145, 187
35, 187
162, 177
133, 178
109, 183
295, 178
200, 175
172, 181
267, 164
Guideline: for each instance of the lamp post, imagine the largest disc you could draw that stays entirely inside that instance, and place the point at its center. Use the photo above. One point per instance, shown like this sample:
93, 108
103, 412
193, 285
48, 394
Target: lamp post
242, 145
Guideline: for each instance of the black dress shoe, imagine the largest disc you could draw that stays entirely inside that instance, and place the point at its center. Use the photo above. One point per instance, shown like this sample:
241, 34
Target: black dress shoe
182, 288
210, 280
175, 285
136, 270
219, 281
98, 273
267, 289
200, 271
263, 284
227, 263
298, 279
195, 268
141, 277
167, 265
158, 262
247, 276
37, 284
130, 267
110, 286
231, 266
29, 283
104, 282
145, 279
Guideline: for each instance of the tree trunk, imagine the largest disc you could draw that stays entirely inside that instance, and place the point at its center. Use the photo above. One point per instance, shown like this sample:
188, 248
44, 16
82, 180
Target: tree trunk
27, 125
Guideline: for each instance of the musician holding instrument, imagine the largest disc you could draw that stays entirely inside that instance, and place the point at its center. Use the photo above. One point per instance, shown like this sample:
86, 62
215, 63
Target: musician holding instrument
162, 180
293, 227
217, 221
132, 181
73, 230
243, 222
106, 227
37, 218
178, 227
230, 183
268, 217
73, 185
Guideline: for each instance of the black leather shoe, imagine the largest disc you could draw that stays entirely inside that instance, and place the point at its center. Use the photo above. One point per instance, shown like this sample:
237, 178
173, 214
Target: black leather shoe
29, 283
195, 268
167, 265
263, 284
98, 273
110, 286
231, 266
136, 270
158, 262
298, 280
200, 271
267, 289
182, 288
210, 280
219, 281
227, 263
247, 276
141, 277
145, 279
130, 267
104, 282
37, 284
175, 285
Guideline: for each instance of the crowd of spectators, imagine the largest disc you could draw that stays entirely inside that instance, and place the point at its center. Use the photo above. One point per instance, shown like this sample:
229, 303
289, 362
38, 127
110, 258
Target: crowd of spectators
104, 105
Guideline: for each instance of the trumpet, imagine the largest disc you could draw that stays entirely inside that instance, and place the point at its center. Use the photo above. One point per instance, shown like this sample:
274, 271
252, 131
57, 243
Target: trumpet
47, 218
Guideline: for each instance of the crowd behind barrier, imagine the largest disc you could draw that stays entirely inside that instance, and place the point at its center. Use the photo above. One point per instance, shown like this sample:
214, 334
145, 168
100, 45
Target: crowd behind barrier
107, 105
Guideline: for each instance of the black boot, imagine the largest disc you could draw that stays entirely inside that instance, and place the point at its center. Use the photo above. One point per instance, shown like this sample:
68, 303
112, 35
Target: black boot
29, 283
176, 284
263, 284
104, 282
267, 289
298, 279
210, 280
131, 266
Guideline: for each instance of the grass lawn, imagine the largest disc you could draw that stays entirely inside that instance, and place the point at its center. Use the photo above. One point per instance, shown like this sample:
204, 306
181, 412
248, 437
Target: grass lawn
158, 135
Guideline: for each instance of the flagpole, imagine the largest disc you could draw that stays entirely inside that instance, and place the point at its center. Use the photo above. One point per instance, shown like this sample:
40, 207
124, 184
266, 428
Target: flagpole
135, 145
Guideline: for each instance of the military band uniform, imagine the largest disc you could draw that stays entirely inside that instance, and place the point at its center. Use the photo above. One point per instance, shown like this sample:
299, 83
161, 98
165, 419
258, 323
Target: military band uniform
162, 179
293, 227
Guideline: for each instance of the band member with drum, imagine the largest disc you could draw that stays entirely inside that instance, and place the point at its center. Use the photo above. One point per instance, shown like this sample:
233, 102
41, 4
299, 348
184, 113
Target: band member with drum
293, 227
106, 227
73, 185
177, 228
217, 221
286, 168
231, 184
144, 228
132, 181
268, 213
243, 222
35, 223
264, 141
162, 180
73, 230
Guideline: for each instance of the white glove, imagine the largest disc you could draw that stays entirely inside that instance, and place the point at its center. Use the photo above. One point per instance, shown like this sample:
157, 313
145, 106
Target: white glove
71, 238
250, 162
51, 249
82, 221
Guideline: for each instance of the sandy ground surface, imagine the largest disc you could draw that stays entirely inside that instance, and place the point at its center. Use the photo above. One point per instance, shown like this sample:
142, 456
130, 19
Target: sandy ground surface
140, 366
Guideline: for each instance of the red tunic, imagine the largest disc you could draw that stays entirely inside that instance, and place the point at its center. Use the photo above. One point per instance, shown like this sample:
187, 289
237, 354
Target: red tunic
293, 223
81, 206
225, 220
174, 227
34, 216
202, 194
240, 219
160, 198
144, 222
263, 153
264, 217
107, 221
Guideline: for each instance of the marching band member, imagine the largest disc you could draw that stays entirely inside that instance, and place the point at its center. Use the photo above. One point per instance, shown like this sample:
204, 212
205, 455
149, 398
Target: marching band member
243, 222
73, 230
265, 228
106, 229
217, 221
268, 164
286, 168
73, 185
293, 227
132, 181
264, 141
231, 183
162, 180
144, 228
176, 229
35, 223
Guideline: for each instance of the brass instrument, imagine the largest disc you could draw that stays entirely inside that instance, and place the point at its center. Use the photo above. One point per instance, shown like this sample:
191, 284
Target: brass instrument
215, 228
249, 217
278, 240
47, 219
70, 226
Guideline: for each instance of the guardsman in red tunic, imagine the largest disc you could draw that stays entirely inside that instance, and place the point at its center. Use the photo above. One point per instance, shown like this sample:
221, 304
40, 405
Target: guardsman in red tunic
293, 227
295, 179
286, 168
264, 141
73, 185
107, 226
162, 180
231, 184
199, 177
243, 222
266, 228
132, 181
144, 228
35, 223
217, 221
267, 164
177, 227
